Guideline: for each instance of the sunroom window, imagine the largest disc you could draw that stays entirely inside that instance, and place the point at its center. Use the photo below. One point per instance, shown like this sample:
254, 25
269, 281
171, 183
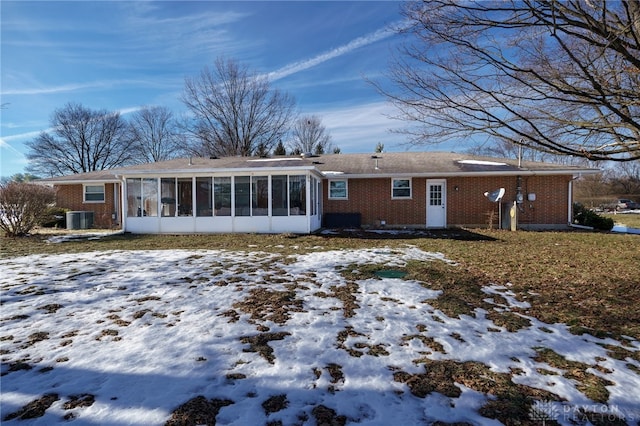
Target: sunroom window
297, 195
242, 193
222, 195
142, 197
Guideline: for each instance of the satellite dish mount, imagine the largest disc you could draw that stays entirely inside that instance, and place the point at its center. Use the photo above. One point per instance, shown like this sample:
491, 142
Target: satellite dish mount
496, 197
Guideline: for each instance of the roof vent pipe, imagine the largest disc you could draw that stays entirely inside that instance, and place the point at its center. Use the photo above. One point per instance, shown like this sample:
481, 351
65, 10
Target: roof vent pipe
190, 161
520, 153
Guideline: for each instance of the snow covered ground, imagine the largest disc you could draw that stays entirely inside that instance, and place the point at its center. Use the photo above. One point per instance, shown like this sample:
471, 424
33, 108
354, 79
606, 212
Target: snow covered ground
127, 337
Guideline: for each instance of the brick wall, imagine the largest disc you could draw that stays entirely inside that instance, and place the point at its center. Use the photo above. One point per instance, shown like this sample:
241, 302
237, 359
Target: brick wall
71, 197
466, 203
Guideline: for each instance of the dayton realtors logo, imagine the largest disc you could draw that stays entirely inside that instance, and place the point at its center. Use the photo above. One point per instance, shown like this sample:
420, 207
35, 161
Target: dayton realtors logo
544, 411
548, 411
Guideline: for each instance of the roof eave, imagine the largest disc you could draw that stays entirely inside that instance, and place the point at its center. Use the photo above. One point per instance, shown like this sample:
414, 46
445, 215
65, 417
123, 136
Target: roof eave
76, 181
463, 174
226, 170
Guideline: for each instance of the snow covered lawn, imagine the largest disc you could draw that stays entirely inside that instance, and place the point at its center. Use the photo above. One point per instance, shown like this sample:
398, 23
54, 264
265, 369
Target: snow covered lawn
254, 338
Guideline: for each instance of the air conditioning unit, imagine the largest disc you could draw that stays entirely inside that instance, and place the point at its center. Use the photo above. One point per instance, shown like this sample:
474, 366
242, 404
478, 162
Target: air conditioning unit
79, 220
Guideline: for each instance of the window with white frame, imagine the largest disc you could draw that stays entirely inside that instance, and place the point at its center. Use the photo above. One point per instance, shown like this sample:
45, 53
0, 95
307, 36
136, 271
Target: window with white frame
93, 193
401, 188
338, 189
142, 197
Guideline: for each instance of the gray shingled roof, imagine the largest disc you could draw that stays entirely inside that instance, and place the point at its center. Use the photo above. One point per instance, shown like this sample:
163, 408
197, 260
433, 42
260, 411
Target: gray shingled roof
427, 164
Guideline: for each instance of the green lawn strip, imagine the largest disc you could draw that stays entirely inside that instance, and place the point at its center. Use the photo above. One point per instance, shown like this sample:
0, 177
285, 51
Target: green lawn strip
631, 220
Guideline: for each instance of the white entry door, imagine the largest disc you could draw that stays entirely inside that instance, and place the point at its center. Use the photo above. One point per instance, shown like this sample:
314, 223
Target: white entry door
436, 203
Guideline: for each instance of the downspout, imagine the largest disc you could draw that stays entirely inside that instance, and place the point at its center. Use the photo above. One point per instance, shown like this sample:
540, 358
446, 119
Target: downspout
570, 204
570, 200
116, 202
307, 202
123, 198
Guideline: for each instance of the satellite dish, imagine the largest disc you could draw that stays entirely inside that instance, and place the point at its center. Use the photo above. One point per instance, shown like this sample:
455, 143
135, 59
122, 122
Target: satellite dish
495, 196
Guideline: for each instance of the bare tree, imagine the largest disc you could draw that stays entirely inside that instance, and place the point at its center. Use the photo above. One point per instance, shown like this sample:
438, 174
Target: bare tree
310, 136
235, 111
81, 140
22, 205
558, 76
626, 179
154, 135
506, 149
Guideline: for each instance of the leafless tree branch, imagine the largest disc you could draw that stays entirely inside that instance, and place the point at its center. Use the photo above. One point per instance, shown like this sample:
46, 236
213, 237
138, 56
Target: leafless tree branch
561, 76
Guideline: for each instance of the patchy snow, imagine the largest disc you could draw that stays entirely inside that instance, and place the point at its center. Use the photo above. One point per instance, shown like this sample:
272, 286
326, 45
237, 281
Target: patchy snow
146, 331
625, 229
271, 159
508, 295
82, 235
481, 163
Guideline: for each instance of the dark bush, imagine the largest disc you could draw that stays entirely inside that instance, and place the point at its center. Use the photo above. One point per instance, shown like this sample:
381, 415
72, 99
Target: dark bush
586, 217
54, 217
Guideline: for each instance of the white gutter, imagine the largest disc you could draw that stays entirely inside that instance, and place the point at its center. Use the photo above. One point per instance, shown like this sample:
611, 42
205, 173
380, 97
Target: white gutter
209, 172
76, 181
460, 174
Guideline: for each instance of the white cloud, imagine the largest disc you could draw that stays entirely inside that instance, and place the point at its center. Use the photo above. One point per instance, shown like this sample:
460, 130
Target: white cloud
171, 39
74, 87
129, 110
53, 89
359, 128
22, 136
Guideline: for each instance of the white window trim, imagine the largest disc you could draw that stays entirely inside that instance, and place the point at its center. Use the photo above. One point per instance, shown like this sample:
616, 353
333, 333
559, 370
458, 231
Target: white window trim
346, 189
84, 194
403, 197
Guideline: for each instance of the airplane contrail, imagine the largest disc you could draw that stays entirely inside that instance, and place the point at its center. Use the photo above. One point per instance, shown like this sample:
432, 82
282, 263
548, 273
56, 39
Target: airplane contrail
296, 67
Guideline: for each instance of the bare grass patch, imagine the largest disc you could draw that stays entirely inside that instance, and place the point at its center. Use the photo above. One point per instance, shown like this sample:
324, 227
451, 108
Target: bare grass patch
260, 343
594, 387
264, 304
34, 409
197, 411
275, 403
509, 400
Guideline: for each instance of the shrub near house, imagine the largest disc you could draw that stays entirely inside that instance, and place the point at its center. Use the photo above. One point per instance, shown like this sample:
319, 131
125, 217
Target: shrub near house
586, 217
22, 206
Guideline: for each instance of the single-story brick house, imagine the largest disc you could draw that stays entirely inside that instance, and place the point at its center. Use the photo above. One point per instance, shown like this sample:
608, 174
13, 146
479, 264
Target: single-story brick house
301, 194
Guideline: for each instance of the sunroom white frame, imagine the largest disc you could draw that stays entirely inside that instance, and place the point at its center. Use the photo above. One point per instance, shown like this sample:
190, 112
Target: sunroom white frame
269, 223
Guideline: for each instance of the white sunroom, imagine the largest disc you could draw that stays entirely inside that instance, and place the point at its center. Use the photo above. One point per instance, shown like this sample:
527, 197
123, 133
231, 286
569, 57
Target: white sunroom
260, 201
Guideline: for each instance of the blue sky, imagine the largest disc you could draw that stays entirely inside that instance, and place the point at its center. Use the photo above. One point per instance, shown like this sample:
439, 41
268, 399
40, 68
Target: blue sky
120, 55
